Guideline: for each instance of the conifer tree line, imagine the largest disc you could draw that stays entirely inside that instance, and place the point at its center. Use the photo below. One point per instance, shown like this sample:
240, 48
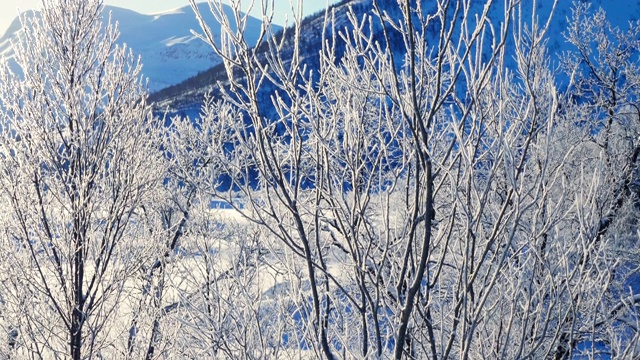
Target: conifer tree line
430, 182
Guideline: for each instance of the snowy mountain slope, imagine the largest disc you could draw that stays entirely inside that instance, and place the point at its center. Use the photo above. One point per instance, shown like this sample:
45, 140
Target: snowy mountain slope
170, 52
187, 97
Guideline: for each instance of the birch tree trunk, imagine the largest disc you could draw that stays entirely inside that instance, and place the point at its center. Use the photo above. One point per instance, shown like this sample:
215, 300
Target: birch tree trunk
81, 159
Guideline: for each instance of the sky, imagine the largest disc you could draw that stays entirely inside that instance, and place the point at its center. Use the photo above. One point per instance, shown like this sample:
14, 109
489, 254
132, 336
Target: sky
9, 8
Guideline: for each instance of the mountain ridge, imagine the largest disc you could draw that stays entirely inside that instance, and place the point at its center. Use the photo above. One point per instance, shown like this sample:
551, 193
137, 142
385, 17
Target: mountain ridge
186, 97
170, 52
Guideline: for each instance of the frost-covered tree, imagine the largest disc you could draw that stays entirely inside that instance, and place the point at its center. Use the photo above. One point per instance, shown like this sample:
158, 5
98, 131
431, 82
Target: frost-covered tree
427, 190
80, 163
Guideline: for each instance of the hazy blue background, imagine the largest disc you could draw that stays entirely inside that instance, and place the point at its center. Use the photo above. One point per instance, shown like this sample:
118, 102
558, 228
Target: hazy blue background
9, 8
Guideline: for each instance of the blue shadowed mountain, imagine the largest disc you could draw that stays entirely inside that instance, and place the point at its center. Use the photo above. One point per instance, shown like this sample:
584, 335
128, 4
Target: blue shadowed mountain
187, 97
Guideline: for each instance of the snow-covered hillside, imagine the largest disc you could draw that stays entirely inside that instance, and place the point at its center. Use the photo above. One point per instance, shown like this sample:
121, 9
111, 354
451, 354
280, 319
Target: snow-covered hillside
170, 52
186, 98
